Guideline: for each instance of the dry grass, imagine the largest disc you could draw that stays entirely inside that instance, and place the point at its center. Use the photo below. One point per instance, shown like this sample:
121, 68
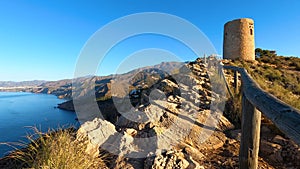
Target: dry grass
277, 77
57, 150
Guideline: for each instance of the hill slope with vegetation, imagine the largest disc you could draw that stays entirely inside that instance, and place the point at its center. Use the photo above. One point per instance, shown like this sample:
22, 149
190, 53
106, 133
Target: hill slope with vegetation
278, 75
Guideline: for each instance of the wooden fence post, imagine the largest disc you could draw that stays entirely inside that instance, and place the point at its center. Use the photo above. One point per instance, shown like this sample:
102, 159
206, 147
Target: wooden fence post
251, 120
236, 82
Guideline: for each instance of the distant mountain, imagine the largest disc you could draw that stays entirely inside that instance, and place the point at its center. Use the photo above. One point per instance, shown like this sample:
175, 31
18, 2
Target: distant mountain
100, 85
21, 84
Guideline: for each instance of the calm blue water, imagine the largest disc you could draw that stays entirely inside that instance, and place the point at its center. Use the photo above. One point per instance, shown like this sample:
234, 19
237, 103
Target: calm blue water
20, 111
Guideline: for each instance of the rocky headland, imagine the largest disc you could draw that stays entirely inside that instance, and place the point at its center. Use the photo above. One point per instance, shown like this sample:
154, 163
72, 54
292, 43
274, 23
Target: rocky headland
170, 121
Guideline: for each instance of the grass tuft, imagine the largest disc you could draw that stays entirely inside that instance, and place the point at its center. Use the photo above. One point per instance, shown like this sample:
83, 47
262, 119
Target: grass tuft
57, 150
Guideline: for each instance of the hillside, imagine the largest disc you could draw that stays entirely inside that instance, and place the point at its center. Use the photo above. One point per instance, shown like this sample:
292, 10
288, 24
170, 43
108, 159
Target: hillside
277, 75
63, 88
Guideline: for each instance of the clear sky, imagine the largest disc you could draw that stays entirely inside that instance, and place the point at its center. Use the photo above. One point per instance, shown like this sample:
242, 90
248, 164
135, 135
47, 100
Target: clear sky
42, 39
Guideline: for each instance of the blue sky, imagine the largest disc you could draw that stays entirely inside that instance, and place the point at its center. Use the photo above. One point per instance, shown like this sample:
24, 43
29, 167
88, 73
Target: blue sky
43, 39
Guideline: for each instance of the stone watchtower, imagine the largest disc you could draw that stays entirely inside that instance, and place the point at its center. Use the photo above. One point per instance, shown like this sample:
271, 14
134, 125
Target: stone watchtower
239, 39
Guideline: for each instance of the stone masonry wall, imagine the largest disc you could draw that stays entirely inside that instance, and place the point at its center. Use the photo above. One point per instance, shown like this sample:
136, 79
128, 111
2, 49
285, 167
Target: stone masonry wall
239, 39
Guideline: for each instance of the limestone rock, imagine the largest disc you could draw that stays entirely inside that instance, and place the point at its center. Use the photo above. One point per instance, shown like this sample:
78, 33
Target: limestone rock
97, 131
172, 159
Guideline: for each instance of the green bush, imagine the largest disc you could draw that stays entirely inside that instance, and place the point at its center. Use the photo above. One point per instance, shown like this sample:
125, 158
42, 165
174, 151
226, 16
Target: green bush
273, 75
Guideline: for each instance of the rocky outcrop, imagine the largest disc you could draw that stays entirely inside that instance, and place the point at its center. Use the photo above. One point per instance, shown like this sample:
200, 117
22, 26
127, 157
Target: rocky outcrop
167, 127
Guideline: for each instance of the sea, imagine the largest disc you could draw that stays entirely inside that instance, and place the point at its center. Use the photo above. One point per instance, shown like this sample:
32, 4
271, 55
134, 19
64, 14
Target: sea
20, 112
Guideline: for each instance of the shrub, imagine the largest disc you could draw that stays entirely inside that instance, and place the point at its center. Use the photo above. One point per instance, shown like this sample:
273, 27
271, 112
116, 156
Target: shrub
273, 75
